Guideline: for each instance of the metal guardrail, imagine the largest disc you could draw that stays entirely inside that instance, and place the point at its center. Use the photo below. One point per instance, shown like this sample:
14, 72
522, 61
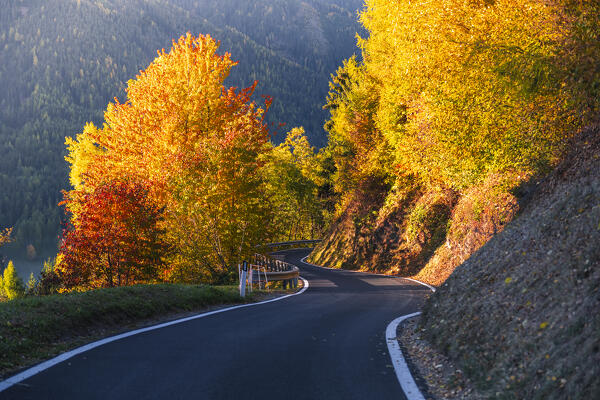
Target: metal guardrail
262, 270
290, 243
273, 275
274, 270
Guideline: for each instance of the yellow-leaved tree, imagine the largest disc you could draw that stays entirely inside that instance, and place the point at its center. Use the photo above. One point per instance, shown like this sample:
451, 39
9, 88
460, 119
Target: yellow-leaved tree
196, 145
292, 184
451, 98
469, 88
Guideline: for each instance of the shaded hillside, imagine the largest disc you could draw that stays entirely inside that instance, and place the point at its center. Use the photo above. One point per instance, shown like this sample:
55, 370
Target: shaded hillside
316, 34
520, 316
419, 232
63, 61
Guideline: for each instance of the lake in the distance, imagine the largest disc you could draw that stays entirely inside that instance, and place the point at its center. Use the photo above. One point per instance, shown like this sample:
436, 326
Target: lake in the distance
25, 267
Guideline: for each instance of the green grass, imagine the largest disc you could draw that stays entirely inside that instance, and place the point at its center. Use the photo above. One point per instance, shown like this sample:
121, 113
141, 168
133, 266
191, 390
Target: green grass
36, 328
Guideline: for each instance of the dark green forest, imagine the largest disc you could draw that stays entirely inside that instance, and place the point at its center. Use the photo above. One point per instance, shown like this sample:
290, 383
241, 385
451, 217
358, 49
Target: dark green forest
62, 61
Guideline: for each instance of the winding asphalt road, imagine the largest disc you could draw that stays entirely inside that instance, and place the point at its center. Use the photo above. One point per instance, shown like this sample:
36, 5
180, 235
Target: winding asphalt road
327, 343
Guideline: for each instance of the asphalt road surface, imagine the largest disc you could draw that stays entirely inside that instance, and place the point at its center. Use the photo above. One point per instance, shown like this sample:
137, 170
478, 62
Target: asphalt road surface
327, 343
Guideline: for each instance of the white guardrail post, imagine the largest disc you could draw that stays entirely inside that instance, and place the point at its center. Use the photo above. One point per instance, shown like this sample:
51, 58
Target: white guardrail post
243, 279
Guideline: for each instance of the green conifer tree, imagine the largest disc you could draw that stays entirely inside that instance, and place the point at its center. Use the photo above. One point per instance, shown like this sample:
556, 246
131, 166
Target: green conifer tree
13, 285
31, 284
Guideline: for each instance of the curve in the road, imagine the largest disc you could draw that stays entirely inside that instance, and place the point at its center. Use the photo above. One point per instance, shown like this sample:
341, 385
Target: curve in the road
405, 377
28, 373
370, 273
326, 344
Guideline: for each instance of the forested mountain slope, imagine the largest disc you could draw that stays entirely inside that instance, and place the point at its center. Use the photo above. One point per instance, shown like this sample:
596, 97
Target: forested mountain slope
63, 61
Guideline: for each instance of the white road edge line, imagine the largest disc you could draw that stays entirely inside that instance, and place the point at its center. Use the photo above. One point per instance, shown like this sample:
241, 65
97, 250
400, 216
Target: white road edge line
405, 378
369, 273
407, 382
422, 283
69, 354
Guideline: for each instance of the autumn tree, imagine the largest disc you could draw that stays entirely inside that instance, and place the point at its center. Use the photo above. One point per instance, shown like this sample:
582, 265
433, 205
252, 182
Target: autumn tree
115, 239
31, 284
5, 236
357, 146
472, 88
197, 144
11, 285
4, 239
451, 92
292, 182
219, 204
449, 95
50, 281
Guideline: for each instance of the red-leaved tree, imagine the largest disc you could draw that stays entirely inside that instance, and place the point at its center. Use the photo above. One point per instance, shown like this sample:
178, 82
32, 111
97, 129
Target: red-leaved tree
114, 238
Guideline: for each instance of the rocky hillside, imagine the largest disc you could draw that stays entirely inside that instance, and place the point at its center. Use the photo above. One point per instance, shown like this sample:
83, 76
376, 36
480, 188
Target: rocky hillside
418, 232
520, 316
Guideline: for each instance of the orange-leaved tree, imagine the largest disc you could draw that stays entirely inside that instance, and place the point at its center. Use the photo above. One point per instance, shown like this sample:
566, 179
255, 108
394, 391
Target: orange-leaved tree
5, 236
197, 144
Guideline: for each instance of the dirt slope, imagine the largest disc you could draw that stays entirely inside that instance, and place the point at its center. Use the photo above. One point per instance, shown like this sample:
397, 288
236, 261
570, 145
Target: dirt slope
521, 316
420, 232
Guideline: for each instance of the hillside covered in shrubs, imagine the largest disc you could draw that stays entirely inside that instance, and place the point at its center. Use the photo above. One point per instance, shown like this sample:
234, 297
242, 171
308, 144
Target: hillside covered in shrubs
432, 143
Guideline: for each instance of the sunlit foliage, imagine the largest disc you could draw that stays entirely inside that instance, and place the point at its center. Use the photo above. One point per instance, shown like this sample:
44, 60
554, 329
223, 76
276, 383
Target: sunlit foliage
291, 179
451, 91
357, 148
5, 236
115, 239
11, 286
196, 144
85, 60
454, 103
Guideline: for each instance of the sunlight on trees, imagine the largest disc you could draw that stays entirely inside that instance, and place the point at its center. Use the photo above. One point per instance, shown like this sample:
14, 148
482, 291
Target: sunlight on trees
115, 239
195, 145
11, 286
452, 91
451, 106
5, 236
291, 185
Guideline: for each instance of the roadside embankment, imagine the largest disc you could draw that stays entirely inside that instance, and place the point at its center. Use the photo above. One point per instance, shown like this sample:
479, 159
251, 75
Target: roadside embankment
520, 316
418, 232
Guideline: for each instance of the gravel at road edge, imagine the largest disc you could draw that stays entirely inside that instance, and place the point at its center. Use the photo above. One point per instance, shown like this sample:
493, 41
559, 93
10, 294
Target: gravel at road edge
435, 375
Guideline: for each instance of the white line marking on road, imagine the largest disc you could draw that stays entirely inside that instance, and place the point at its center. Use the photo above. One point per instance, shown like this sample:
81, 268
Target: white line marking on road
368, 273
422, 283
403, 374
69, 354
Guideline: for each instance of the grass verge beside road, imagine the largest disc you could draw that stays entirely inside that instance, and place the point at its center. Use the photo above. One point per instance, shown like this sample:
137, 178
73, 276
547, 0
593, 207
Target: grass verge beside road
37, 328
